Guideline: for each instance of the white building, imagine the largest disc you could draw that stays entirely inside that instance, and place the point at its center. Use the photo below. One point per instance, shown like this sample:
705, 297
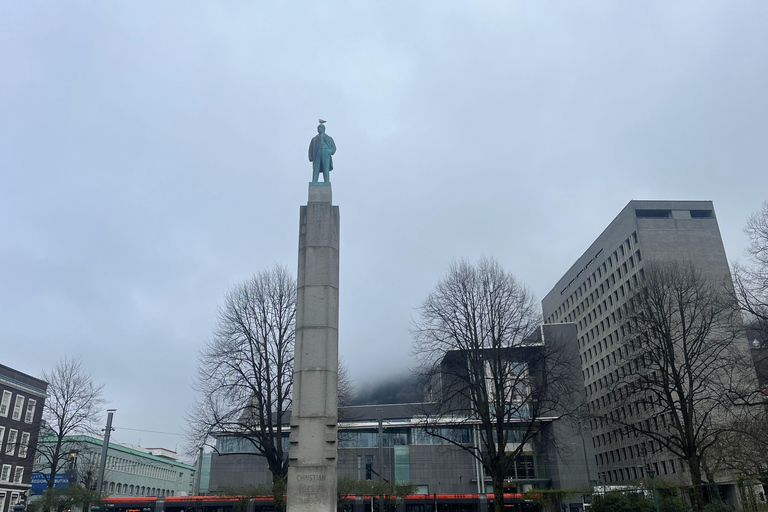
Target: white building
129, 471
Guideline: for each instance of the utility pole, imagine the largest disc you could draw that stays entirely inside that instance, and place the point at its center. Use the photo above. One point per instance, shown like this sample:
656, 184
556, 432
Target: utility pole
652, 472
381, 455
104, 448
584, 449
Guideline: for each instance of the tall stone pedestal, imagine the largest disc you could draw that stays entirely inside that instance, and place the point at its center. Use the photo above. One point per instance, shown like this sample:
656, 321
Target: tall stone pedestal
314, 415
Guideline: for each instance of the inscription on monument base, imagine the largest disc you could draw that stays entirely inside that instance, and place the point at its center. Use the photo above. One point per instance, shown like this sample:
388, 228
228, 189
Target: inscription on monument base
313, 489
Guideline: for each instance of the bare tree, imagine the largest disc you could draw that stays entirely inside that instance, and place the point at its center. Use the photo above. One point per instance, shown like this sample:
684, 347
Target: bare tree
477, 337
245, 371
73, 405
751, 283
346, 390
743, 451
683, 362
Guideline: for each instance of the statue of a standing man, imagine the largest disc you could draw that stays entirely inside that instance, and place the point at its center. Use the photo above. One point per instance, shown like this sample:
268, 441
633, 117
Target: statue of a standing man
320, 150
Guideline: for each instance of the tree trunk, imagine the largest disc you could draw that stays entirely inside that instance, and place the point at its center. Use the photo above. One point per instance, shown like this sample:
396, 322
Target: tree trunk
54, 463
497, 481
694, 465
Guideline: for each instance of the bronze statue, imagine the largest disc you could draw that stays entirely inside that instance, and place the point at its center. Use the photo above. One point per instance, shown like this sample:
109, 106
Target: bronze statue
320, 150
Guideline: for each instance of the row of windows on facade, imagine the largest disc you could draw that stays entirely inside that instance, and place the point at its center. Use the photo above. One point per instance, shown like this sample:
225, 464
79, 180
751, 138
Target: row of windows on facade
14, 441
604, 383
566, 309
667, 467
613, 393
610, 303
370, 439
610, 293
653, 423
619, 395
667, 214
523, 468
615, 318
9, 474
589, 373
18, 407
612, 299
628, 453
607, 288
590, 349
135, 490
15, 499
628, 353
624, 413
139, 468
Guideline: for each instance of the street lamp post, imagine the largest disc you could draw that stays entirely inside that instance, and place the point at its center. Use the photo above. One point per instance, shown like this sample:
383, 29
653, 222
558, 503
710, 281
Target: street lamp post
584, 450
104, 450
651, 473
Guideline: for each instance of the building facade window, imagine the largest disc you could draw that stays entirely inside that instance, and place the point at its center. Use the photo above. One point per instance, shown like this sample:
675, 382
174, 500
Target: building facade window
5, 404
5, 473
369, 467
10, 446
17, 407
24, 444
30, 414
18, 474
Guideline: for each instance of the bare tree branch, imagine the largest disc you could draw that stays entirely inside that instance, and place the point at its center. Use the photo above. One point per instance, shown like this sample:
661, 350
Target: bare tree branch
684, 366
245, 371
73, 405
474, 344
750, 283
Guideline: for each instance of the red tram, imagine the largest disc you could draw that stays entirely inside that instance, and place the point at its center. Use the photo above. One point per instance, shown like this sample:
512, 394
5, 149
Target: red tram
411, 503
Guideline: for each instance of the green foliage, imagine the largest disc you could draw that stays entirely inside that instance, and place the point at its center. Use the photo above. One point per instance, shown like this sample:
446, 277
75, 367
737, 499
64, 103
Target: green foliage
550, 499
669, 502
243, 492
391, 493
351, 487
616, 501
717, 506
66, 499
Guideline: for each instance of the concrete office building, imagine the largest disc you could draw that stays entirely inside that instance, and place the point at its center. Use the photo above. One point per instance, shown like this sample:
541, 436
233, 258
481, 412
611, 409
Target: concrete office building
21, 408
591, 294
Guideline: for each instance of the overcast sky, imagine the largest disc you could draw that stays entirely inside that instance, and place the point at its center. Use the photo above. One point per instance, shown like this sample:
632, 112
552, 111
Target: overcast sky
154, 154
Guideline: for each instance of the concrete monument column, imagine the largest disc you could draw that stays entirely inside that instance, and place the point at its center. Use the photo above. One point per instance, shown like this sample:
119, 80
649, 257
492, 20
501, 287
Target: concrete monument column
314, 414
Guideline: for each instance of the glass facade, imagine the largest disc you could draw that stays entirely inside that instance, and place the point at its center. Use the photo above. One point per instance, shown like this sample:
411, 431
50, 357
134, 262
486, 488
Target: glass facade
398, 436
228, 444
402, 464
